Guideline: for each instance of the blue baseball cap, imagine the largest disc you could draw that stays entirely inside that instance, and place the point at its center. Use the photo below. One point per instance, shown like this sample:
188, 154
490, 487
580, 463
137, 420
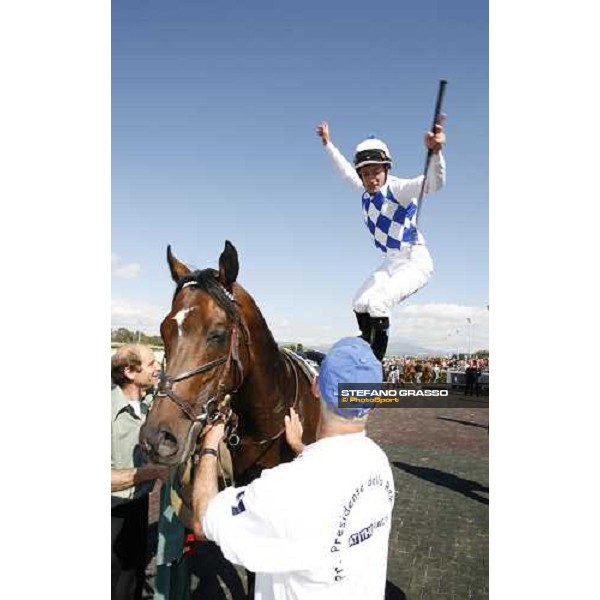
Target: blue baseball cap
350, 360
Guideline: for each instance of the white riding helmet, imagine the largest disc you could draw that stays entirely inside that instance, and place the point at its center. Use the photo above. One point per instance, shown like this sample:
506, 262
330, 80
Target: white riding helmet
370, 152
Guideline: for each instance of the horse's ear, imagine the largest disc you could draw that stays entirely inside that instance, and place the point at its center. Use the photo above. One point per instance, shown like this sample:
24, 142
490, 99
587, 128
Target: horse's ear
178, 269
228, 265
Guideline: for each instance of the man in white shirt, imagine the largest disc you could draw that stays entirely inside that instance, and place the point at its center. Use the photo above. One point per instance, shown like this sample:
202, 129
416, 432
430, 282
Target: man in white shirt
394, 375
436, 372
317, 527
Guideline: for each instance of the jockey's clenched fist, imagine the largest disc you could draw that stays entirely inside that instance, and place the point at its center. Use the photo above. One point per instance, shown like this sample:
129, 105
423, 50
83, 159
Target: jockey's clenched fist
323, 132
435, 141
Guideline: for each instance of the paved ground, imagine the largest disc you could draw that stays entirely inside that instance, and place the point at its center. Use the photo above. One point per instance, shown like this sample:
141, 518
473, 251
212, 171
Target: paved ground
439, 538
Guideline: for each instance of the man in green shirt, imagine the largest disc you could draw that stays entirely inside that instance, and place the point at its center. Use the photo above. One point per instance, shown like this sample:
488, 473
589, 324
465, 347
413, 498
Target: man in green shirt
134, 371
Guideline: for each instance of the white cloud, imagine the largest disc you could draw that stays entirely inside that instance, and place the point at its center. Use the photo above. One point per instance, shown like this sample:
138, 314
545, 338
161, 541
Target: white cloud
310, 334
442, 327
144, 317
435, 327
124, 270
129, 271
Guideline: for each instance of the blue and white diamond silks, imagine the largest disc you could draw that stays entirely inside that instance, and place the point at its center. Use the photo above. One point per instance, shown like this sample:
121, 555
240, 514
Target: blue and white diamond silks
391, 224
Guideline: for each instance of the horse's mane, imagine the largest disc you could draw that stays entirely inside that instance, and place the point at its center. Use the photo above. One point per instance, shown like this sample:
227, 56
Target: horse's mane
207, 281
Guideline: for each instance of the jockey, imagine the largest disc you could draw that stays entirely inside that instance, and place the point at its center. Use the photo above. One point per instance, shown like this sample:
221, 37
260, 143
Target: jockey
389, 207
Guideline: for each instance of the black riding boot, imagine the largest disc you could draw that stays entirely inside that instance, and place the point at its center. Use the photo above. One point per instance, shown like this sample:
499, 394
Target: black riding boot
364, 324
379, 336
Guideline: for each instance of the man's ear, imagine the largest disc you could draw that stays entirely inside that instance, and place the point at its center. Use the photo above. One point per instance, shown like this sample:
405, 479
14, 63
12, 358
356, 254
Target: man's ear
129, 373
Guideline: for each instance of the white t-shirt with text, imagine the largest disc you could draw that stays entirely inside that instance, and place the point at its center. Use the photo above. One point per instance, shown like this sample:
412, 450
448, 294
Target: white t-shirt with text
317, 527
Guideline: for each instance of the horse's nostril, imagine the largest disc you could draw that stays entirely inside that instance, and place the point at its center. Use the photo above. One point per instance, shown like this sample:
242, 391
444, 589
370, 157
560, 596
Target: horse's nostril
167, 443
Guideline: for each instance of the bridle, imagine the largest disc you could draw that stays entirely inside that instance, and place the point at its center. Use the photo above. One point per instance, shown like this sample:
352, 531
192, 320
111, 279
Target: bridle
217, 407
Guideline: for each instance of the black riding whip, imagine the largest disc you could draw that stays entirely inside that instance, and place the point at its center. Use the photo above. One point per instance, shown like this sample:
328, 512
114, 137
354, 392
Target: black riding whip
436, 116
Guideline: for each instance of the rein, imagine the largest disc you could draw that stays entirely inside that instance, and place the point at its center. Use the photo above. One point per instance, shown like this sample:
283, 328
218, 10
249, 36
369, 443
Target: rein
294, 403
267, 442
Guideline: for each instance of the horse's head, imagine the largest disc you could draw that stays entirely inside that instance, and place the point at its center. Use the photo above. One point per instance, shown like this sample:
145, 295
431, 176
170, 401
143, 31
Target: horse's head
205, 351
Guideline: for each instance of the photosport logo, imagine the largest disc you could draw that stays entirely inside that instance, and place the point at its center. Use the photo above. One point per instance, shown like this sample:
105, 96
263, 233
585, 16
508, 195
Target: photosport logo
395, 395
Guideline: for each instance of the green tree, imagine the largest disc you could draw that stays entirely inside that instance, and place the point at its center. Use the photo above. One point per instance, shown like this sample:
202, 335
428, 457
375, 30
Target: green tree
123, 335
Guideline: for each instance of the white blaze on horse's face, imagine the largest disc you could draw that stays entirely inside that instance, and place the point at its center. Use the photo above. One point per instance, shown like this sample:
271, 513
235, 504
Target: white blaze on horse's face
180, 317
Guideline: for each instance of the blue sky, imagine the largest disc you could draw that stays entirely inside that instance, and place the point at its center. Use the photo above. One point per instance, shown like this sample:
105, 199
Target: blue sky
214, 108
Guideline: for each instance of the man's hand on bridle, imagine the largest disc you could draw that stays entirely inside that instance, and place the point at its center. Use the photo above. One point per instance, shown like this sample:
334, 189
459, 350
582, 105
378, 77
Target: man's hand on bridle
213, 434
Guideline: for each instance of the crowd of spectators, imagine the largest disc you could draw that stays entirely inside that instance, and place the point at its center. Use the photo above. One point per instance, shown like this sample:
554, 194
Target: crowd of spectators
408, 369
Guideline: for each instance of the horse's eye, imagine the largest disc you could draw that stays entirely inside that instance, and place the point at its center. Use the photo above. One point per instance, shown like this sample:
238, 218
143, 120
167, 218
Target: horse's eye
217, 337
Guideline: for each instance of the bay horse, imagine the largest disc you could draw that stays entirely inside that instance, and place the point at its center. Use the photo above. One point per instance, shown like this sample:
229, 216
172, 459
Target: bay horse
426, 377
409, 372
218, 347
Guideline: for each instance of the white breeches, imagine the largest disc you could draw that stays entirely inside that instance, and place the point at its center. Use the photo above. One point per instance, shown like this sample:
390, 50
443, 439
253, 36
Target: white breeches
401, 274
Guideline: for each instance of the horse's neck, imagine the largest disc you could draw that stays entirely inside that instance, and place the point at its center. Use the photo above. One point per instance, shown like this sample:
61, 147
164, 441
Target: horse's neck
267, 387
262, 342
266, 395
